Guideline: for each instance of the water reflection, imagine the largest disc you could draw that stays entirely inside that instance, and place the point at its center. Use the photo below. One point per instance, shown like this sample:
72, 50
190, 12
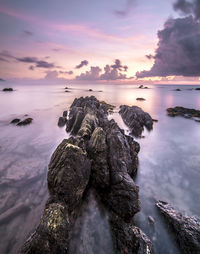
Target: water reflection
169, 158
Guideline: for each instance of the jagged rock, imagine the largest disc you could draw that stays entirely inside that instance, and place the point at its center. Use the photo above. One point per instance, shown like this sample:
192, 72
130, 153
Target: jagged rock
88, 125
16, 120
184, 112
69, 173
52, 233
62, 121
25, 122
186, 229
129, 239
198, 88
76, 116
135, 118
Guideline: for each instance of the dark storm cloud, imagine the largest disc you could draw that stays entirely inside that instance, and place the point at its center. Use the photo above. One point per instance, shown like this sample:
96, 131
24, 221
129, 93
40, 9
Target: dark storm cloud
44, 64
111, 72
27, 59
188, 7
27, 33
129, 5
83, 63
178, 51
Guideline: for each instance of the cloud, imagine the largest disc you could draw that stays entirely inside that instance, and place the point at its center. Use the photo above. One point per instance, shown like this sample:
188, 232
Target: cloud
93, 74
27, 33
111, 72
178, 51
129, 5
188, 7
83, 63
66, 72
3, 59
6, 54
149, 56
52, 75
38, 63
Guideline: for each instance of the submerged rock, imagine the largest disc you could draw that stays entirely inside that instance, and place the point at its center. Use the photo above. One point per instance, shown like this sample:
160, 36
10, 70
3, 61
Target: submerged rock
135, 118
186, 229
140, 99
7, 89
25, 122
184, 112
16, 120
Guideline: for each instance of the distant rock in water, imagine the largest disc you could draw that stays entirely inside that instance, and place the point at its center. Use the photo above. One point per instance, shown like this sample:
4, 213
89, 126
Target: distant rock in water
135, 118
15, 121
184, 112
1, 80
7, 89
25, 122
140, 99
90, 90
178, 90
198, 88
186, 229
98, 156
143, 87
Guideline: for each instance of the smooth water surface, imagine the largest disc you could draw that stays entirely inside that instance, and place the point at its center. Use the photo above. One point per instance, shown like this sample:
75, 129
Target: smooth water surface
169, 158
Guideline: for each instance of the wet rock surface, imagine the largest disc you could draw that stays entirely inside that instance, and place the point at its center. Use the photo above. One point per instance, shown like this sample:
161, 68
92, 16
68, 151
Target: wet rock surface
98, 155
186, 229
7, 89
25, 122
184, 112
136, 119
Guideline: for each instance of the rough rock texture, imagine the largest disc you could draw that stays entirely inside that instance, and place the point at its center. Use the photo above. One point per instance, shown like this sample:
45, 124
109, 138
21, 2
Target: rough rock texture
62, 121
135, 118
100, 156
25, 122
186, 229
128, 238
7, 89
184, 112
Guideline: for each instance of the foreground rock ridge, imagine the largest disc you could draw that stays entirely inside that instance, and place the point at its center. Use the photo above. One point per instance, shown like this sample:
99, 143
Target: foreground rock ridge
186, 229
98, 155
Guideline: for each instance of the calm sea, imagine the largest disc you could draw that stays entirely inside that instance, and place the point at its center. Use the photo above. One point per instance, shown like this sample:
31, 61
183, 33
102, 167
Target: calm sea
169, 160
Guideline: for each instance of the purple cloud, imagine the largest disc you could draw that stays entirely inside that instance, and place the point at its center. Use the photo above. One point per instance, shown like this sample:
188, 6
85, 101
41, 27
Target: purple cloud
93, 74
83, 63
27, 33
178, 51
66, 72
129, 5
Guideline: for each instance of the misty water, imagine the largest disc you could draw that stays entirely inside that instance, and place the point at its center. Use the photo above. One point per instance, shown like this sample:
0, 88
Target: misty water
169, 161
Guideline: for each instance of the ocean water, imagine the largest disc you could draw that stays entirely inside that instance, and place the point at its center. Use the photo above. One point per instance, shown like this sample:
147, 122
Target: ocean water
169, 160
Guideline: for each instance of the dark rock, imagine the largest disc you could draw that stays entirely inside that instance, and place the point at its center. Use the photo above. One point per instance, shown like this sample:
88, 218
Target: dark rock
155, 120
186, 229
141, 86
66, 88
52, 234
7, 90
146, 87
178, 90
90, 90
25, 122
140, 99
135, 118
69, 173
67, 91
198, 88
184, 112
62, 121
129, 239
16, 120
65, 113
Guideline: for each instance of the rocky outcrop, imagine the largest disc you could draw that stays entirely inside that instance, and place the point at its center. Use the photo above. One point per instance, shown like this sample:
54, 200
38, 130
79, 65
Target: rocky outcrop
136, 119
184, 112
186, 229
7, 89
100, 156
62, 121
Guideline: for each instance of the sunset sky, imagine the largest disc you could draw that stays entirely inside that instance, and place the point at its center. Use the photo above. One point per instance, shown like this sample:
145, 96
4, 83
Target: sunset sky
122, 40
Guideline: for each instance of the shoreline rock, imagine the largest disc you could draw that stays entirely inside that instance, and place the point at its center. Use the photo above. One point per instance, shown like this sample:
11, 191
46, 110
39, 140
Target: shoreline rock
186, 229
184, 112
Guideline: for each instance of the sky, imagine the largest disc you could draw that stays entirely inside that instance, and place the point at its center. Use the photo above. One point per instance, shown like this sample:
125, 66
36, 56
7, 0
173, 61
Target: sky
89, 40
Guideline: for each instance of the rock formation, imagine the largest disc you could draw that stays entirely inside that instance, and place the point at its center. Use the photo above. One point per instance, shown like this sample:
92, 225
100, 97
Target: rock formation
186, 229
135, 118
184, 112
101, 156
